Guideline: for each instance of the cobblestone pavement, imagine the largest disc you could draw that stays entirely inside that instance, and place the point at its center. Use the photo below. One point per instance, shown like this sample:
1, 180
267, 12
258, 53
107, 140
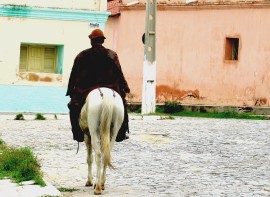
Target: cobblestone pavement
180, 157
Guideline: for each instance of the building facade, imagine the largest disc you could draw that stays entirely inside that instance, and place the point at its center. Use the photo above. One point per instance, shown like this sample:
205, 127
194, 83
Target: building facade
39, 41
208, 52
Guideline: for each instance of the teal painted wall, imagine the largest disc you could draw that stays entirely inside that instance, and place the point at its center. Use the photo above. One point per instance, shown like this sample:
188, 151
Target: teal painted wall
36, 99
54, 14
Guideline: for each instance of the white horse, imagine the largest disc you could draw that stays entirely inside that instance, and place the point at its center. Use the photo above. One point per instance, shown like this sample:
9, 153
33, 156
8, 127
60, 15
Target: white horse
101, 118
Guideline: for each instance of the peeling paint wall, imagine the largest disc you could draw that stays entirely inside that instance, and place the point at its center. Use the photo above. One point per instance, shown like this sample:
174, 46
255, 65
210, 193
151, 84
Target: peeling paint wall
190, 55
39, 77
177, 2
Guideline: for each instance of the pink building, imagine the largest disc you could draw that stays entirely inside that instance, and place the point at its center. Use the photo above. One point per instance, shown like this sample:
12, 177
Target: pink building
207, 52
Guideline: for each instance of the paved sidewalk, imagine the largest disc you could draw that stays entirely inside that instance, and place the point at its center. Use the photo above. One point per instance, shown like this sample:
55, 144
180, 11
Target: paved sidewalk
181, 157
26, 189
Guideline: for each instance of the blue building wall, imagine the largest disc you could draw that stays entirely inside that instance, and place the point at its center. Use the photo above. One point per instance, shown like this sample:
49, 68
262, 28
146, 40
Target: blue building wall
34, 99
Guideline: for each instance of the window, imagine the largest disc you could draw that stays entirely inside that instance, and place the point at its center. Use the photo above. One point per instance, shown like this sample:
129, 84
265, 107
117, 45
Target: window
232, 49
35, 58
49, 59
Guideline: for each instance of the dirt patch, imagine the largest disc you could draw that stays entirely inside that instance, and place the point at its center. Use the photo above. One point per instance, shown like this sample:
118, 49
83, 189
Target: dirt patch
153, 138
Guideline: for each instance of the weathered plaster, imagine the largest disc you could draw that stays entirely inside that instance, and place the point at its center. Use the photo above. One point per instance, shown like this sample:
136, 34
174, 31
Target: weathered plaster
190, 53
179, 2
167, 93
38, 77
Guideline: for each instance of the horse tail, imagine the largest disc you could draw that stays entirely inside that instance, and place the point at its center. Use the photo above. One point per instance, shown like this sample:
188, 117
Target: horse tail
105, 126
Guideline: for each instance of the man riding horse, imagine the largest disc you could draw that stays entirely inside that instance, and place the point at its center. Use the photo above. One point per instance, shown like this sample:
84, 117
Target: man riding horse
93, 68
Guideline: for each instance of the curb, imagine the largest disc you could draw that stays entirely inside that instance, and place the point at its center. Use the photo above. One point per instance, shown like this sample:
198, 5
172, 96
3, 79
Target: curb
26, 189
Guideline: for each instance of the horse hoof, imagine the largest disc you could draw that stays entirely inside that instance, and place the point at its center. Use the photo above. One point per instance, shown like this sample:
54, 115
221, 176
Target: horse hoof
98, 190
88, 184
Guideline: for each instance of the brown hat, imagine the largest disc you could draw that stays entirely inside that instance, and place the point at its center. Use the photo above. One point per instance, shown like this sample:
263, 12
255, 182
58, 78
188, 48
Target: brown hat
97, 33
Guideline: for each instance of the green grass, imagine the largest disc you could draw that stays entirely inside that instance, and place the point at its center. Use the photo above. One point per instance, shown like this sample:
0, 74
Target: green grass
19, 164
227, 115
232, 115
19, 117
40, 116
63, 189
168, 109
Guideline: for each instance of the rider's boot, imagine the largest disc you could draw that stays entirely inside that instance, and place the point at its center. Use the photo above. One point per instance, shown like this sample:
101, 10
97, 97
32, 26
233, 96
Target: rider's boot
122, 133
74, 114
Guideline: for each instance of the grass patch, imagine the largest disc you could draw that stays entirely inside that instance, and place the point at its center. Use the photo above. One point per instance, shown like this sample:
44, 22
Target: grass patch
226, 115
19, 117
40, 116
171, 109
19, 164
175, 109
63, 189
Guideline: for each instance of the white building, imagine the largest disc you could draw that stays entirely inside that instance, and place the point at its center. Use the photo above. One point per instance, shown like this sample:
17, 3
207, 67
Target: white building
39, 39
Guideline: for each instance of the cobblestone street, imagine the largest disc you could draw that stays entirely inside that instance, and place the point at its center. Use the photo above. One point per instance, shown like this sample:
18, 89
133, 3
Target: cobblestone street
181, 157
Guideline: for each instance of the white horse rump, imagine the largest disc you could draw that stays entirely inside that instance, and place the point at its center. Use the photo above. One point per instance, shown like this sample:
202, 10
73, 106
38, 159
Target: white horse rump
101, 118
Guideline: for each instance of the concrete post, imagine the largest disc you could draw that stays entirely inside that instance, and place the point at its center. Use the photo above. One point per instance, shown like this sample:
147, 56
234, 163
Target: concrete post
149, 66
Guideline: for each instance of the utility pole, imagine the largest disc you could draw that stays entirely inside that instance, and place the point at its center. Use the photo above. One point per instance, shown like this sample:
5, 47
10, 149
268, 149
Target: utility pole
149, 66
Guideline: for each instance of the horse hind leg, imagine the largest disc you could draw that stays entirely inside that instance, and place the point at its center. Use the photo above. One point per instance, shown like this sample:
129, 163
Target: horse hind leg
95, 139
98, 185
103, 177
89, 181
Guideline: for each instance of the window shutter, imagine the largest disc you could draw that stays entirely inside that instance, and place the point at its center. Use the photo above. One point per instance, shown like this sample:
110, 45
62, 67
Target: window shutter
35, 58
23, 58
38, 58
49, 59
